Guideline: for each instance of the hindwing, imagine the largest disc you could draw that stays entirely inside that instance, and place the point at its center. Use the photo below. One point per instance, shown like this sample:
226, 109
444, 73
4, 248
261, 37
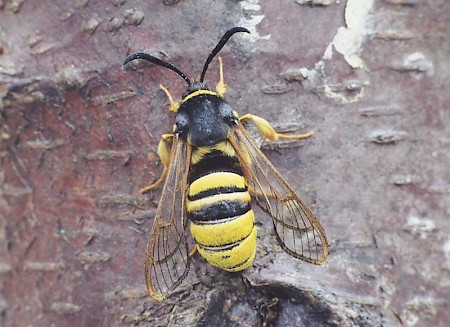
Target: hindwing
167, 262
298, 230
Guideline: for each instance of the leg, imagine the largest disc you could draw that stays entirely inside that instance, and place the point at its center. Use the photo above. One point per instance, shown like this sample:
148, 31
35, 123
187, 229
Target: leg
173, 105
266, 130
193, 251
221, 87
164, 155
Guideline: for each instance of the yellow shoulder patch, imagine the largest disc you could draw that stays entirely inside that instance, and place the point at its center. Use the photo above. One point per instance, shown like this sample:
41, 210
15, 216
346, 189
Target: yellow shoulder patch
197, 93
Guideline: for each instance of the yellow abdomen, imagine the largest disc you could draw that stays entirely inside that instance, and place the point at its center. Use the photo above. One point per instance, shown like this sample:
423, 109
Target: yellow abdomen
222, 221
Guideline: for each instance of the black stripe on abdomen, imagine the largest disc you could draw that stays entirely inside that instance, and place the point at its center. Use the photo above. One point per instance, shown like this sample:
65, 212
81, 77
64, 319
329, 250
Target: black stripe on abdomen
220, 210
214, 161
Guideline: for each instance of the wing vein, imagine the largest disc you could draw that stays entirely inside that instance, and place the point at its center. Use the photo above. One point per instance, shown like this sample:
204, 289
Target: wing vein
167, 262
298, 230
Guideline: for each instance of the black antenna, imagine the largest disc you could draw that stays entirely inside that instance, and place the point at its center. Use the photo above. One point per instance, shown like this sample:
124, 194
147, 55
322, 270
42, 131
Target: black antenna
157, 61
219, 46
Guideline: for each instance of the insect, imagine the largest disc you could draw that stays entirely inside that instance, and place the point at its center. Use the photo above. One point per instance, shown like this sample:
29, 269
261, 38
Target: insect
212, 171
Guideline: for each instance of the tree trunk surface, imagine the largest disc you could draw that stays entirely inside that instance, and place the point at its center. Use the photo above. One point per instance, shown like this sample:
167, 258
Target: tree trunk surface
79, 134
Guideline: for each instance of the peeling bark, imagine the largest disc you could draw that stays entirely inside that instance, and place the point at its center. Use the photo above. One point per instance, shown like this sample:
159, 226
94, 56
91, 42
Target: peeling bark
78, 139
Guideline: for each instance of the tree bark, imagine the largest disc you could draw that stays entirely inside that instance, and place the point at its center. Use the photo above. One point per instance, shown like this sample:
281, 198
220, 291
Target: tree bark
78, 139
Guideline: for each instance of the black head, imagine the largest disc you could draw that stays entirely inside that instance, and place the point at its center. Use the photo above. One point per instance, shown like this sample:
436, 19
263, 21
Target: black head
194, 85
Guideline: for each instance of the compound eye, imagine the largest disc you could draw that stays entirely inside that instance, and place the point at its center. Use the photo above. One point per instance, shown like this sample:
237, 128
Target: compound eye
226, 112
181, 123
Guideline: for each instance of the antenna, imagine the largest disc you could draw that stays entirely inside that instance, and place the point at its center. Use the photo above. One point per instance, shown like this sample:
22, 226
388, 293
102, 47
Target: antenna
156, 61
219, 46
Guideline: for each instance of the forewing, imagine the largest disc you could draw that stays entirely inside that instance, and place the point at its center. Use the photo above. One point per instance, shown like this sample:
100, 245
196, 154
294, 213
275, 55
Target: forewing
298, 230
167, 262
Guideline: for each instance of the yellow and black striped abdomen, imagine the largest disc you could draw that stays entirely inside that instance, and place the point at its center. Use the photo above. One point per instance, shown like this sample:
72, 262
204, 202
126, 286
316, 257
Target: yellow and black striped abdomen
218, 206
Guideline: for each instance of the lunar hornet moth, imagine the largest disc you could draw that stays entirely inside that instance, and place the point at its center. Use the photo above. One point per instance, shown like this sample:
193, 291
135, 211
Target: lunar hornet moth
212, 171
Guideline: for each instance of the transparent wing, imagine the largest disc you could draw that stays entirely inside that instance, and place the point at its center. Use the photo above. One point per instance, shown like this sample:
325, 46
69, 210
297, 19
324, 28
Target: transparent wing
168, 260
298, 230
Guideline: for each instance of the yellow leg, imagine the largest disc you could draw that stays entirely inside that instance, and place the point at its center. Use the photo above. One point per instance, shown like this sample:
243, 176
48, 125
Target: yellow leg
193, 251
221, 87
267, 130
174, 106
256, 194
164, 155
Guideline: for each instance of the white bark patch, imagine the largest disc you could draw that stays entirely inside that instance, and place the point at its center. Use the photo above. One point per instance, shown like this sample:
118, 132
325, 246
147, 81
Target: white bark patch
420, 226
252, 18
348, 40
